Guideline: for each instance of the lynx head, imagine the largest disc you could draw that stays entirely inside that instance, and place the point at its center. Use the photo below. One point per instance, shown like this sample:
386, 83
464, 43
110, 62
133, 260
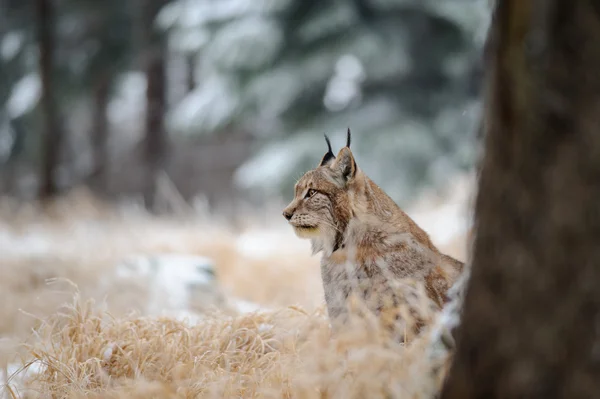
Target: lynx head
321, 207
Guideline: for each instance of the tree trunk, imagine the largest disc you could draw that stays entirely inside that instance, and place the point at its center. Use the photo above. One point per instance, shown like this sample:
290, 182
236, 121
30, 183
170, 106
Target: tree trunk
531, 319
100, 131
52, 139
155, 129
153, 58
191, 72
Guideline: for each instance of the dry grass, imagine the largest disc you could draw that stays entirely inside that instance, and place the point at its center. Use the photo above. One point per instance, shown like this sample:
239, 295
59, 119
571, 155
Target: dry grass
99, 349
280, 354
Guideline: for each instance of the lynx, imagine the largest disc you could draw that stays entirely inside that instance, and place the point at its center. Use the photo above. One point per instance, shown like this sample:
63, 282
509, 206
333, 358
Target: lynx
368, 243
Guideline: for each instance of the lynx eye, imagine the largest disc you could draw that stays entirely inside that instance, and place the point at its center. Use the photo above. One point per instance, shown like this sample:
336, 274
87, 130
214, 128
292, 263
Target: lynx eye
310, 193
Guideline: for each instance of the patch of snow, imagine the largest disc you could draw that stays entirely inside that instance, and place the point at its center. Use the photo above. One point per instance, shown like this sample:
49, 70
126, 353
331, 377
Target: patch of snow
340, 93
195, 13
333, 18
474, 18
24, 96
173, 278
443, 223
263, 327
208, 107
169, 15
34, 368
10, 45
274, 91
257, 244
267, 166
344, 86
16, 374
250, 43
276, 162
128, 102
25, 244
244, 307
444, 220
189, 40
188, 317
261, 244
108, 351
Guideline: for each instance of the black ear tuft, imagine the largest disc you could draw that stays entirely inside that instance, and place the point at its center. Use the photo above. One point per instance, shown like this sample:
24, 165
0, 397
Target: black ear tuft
328, 144
348, 138
329, 156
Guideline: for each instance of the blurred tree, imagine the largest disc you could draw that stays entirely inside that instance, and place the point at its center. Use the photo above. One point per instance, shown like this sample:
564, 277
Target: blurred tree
91, 48
52, 130
153, 58
19, 88
105, 47
530, 320
401, 73
99, 134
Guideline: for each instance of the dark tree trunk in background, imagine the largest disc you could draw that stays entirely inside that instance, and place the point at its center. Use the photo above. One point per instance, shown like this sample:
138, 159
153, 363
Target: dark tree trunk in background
155, 130
153, 55
101, 94
531, 321
191, 72
52, 139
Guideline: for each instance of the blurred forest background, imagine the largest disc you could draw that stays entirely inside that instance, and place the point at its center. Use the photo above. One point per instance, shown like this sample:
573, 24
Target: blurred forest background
229, 99
205, 112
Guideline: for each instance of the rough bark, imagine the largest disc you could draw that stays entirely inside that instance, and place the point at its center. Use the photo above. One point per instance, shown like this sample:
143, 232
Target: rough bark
531, 320
52, 134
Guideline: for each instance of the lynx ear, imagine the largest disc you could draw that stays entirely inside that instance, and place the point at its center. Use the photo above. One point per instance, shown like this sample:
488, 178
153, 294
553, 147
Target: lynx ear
328, 157
345, 164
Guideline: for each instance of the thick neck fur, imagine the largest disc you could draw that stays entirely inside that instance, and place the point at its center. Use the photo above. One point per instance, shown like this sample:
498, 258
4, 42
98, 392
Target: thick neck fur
372, 213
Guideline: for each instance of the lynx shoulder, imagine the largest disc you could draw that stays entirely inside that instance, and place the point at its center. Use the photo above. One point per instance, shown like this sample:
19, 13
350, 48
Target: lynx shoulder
368, 244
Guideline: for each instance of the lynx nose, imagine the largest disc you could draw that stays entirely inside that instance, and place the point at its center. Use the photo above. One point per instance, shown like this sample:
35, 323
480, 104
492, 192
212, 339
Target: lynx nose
287, 214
